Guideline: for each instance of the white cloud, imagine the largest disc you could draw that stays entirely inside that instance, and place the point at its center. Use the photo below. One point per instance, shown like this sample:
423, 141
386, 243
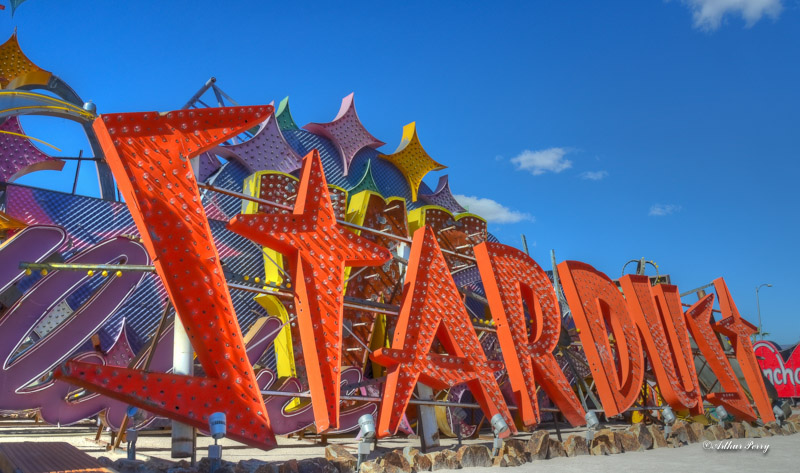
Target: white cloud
492, 211
539, 162
594, 175
660, 210
709, 14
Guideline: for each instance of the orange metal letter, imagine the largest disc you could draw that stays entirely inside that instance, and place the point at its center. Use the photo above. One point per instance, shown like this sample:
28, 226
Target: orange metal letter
733, 398
596, 304
510, 277
657, 313
431, 309
318, 249
149, 154
739, 331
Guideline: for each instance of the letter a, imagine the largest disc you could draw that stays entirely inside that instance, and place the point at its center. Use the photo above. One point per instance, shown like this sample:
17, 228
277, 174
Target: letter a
432, 308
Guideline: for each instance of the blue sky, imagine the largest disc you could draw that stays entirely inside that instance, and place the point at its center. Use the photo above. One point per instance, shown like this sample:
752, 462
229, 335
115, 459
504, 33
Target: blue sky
607, 131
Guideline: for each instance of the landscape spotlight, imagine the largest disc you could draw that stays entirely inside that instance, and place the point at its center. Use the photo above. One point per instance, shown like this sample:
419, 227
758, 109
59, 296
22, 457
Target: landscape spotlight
216, 425
669, 418
498, 427
592, 422
779, 415
786, 407
367, 432
722, 414
131, 435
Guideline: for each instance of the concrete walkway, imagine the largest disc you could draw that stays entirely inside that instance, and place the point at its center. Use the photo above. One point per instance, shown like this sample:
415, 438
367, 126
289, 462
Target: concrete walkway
783, 455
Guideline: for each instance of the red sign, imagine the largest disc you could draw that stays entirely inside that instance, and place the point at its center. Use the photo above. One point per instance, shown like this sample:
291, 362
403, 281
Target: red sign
783, 374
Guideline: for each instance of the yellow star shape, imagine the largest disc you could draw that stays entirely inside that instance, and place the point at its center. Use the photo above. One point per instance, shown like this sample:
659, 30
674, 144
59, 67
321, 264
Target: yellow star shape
412, 160
16, 70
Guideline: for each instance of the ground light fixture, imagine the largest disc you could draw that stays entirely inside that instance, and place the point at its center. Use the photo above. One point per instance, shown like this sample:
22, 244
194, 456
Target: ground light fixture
131, 435
367, 432
498, 427
592, 422
787, 409
216, 424
722, 414
782, 411
669, 418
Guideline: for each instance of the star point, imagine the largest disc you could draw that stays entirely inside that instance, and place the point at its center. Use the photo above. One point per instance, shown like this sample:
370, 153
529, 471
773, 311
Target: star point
412, 160
346, 132
267, 150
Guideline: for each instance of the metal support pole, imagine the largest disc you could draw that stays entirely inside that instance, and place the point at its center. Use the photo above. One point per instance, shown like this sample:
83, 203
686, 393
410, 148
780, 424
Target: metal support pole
758, 305
77, 172
182, 363
428, 429
199, 93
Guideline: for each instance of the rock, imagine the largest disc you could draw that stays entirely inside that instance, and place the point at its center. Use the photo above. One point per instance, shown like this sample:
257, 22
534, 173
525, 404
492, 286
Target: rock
437, 460
248, 466
609, 438
789, 427
471, 456
267, 468
538, 445
184, 466
503, 460
395, 462
156, 465
682, 425
750, 431
123, 465
555, 449
421, 463
445, 459
736, 430
290, 466
600, 449
342, 459
516, 447
696, 429
512, 453
659, 440
679, 436
576, 445
718, 432
416, 459
627, 442
775, 428
370, 467
204, 466
643, 435
764, 432
316, 465
451, 460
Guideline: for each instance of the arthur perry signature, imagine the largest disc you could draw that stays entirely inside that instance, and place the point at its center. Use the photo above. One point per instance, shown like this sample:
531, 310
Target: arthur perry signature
731, 446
